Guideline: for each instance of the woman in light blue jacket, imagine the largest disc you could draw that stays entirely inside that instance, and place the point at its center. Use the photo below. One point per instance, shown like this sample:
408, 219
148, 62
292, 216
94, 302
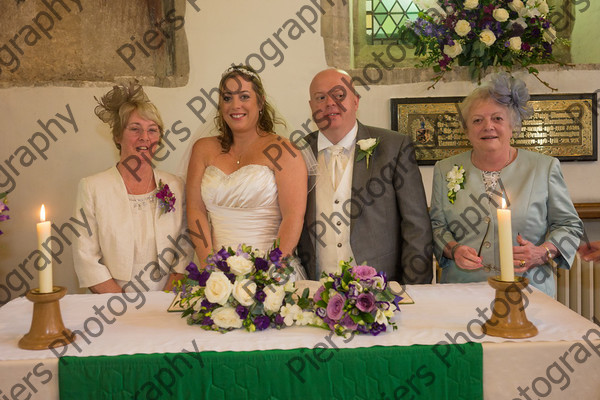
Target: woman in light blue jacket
469, 187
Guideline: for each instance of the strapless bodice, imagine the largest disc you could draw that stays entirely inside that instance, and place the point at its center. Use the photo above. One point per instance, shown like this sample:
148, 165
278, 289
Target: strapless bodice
243, 206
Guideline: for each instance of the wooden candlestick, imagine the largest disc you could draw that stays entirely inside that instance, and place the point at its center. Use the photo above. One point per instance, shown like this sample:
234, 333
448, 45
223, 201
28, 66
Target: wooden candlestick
508, 318
46, 324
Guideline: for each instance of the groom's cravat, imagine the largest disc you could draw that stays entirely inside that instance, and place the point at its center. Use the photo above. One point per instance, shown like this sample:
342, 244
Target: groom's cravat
337, 164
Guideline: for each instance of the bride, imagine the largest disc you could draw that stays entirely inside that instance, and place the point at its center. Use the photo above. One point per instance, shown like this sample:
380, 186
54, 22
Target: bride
247, 185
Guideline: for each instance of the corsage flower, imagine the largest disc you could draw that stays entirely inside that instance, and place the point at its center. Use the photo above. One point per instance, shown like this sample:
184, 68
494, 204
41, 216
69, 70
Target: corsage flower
166, 198
456, 181
366, 147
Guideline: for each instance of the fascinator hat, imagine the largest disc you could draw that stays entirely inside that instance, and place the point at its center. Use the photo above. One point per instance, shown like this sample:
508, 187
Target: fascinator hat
116, 106
505, 90
512, 93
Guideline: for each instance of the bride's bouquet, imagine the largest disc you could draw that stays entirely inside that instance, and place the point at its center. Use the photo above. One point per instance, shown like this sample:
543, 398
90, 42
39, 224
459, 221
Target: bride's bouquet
358, 299
238, 288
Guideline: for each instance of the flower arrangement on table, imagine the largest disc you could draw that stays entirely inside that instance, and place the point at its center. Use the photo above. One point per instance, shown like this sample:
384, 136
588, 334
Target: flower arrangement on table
3, 208
243, 288
482, 33
358, 299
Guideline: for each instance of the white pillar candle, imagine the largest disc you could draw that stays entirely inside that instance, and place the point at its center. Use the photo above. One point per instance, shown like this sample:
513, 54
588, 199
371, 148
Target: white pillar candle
507, 269
43, 233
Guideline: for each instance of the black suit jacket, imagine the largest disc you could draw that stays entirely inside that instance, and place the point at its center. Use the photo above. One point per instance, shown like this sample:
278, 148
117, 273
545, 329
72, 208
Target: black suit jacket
389, 222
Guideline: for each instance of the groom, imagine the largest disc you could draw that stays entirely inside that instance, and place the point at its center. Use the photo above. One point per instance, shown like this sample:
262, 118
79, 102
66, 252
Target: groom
374, 209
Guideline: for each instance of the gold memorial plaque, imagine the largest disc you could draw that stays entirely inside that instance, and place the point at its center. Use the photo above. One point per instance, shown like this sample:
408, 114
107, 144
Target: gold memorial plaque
563, 126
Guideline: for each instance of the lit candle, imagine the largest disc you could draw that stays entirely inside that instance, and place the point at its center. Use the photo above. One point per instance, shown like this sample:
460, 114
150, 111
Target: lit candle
43, 233
507, 269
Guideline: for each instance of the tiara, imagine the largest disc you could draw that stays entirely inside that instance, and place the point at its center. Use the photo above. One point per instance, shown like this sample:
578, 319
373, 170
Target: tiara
109, 105
242, 69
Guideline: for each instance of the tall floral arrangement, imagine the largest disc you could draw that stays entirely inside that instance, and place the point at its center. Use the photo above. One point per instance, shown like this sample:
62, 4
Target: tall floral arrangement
482, 33
3, 208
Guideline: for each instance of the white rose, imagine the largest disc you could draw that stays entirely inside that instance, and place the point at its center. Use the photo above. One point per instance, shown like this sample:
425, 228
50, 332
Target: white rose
549, 35
218, 288
240, 265
487, 37
244, 291
226, 317
543, 7
516, 5
500, 15
366, 144
454, 50
515, 43
275, 295
462, 27
471, 4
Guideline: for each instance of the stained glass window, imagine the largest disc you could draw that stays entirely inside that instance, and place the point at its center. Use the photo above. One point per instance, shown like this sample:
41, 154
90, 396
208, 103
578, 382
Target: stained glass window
385, 17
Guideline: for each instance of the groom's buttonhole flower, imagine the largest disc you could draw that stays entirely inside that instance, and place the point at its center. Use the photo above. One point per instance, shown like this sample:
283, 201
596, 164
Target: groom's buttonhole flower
366, 147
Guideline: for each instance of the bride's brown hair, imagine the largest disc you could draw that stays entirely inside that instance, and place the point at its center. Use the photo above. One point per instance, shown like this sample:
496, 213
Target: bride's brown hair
267, 117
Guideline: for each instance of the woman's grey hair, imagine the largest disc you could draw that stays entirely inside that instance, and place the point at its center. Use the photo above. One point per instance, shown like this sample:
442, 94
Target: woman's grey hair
504, 90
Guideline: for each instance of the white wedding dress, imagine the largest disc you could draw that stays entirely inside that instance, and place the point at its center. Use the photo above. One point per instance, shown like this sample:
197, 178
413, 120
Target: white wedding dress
243, 207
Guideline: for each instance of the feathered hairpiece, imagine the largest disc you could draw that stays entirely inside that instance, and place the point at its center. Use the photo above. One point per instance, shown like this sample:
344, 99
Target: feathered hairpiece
109, 105
512, 93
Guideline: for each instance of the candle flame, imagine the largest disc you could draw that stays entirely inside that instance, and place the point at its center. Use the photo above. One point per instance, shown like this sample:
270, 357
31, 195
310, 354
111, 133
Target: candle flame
42, 214
503, 202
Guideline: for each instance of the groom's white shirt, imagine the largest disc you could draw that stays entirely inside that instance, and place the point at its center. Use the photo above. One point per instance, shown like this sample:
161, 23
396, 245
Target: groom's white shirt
333, 205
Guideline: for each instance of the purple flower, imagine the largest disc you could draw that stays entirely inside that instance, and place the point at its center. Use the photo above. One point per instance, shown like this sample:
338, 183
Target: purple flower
352, 292
231, 277
377, 328
261, 264
337, 282
365, 302
363, 272
525, 46
166, 197
321, 312
317, 296
222, 265
330, 323
207, 304
241, 311
279, 320
260, 295
275, 255
347, 322
335, 308
362, 329
203, 278
223, 254
193, 272
207, 321
262, 322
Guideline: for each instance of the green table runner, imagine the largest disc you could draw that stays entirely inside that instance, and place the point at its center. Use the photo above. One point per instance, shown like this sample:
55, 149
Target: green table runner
393, 372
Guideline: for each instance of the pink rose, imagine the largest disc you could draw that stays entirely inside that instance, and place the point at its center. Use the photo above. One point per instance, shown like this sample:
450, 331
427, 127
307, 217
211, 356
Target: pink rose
365, 302
363, 272
317, 296
335, 308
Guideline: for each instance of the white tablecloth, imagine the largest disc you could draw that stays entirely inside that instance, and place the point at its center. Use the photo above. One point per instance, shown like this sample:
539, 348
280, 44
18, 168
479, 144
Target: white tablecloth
115, 325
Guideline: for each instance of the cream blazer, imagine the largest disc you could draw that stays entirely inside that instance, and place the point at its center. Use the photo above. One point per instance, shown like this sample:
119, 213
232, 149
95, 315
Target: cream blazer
108, 252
